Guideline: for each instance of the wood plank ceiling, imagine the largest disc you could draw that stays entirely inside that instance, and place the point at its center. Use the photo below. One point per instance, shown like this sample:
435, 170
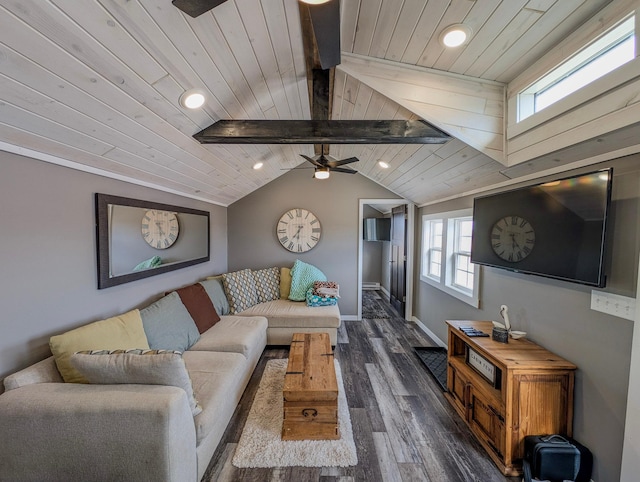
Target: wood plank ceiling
97, 83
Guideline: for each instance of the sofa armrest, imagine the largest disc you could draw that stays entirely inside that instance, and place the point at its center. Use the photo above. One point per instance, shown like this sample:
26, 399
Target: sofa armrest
68, 431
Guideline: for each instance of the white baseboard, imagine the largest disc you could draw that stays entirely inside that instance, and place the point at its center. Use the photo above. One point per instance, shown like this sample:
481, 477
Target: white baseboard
384, 290
349, 317
370, 285
431, 334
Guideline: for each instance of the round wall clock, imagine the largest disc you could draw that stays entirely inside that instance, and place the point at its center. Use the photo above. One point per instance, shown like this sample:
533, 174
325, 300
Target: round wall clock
298, 230
160, 229
513, 238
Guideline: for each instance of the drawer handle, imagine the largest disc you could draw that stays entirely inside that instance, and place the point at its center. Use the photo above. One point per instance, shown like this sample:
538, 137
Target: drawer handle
309, 412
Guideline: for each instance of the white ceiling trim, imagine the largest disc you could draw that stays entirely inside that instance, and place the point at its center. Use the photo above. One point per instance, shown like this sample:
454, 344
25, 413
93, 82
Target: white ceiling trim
469, 109
41, 156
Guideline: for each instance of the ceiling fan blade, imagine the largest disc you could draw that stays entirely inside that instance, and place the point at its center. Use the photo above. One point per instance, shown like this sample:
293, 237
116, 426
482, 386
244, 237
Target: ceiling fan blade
312, 161
195, 8
325, 19
343, 169
342, 162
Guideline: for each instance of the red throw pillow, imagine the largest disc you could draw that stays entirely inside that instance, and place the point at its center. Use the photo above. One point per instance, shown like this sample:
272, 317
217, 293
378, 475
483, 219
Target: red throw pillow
199, 306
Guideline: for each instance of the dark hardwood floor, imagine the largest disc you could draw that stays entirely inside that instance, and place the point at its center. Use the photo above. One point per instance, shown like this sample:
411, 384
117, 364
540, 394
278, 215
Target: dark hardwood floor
403, 427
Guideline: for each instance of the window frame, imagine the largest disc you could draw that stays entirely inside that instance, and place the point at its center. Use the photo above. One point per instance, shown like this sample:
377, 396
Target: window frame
590, 53
445, 282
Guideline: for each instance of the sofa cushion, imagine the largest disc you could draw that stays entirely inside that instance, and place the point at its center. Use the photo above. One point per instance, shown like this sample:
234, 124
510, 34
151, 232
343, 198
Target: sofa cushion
267, 284
144, 367
239, 334
302, 277
219, 379
195, 298
295, 314
215, 289
285, 283
119, 332
240, 288
168, 324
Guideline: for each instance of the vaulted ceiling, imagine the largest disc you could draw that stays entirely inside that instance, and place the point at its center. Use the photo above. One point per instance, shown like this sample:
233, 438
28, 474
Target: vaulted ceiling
97, 83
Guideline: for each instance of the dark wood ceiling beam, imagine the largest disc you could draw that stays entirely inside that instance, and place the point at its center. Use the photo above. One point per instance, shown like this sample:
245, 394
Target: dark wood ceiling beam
195, 8
321, 132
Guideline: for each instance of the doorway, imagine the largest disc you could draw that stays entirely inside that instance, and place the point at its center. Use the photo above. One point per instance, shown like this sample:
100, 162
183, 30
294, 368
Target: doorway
401, 262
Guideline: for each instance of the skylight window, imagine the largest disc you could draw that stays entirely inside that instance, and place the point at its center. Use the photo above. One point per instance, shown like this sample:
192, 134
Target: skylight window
615, 48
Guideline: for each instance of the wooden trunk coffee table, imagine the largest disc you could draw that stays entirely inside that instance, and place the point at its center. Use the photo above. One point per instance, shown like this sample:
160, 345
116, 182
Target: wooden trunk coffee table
310, 390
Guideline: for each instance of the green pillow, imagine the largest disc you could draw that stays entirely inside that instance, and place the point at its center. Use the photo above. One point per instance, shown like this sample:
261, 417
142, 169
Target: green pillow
302, 277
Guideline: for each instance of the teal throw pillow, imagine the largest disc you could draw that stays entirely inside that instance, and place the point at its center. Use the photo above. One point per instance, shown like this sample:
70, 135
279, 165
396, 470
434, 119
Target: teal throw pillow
168, 325
302, 277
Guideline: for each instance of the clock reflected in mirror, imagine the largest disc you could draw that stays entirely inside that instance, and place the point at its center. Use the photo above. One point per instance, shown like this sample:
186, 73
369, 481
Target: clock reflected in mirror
298, 230
160, 229
513, 238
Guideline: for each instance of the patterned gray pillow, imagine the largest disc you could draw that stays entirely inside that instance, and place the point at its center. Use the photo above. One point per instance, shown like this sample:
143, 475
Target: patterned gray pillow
267, 284
240, 288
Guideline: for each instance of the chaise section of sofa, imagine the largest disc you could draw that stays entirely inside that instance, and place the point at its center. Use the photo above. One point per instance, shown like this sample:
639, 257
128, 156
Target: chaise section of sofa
286, 317
279, 295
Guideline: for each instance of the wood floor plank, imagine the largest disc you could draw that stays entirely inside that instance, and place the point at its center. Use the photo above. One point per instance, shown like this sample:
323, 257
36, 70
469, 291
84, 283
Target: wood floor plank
386, 460
404, 428
403, 446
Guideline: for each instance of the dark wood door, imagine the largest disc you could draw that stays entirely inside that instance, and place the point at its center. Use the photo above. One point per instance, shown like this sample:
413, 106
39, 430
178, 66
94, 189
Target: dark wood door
398, 258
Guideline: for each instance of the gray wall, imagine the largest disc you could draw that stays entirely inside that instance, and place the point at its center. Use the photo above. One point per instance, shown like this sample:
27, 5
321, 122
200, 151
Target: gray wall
252, 220
49, 276
557, 315
371, 252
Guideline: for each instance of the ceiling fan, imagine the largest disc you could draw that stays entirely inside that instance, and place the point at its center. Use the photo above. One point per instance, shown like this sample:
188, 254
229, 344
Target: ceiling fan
326, 164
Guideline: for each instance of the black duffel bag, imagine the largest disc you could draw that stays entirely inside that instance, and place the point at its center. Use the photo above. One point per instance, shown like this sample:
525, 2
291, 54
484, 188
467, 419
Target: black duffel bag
556, 458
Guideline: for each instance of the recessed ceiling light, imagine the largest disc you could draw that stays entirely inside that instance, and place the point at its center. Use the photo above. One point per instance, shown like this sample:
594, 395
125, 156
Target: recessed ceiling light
258, 165
192, 99
321, 173
455, 35
383, 165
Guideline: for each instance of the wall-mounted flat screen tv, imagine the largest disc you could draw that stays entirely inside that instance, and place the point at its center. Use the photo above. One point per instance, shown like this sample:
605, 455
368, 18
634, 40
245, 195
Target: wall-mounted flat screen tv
555, 229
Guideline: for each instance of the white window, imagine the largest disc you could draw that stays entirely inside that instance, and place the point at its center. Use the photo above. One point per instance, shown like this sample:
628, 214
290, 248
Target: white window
432, 263
462, 267
446, 255
615, 48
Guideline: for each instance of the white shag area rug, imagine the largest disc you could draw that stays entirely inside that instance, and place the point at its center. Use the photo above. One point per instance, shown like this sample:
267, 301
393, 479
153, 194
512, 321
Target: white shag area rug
261, 445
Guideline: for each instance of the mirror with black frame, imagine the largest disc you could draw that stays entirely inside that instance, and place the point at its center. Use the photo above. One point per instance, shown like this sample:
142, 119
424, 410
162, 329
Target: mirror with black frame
137, 239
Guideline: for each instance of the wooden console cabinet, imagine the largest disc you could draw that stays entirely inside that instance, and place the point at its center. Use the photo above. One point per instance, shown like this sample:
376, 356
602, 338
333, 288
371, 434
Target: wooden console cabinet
505, 391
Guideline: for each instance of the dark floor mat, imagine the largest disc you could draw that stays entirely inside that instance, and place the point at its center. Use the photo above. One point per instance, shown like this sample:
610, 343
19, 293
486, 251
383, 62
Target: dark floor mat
435, 359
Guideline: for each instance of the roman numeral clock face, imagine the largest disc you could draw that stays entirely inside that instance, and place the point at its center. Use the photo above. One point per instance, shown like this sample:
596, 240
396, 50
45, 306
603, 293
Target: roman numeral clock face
160, 229
513, 238
298, 230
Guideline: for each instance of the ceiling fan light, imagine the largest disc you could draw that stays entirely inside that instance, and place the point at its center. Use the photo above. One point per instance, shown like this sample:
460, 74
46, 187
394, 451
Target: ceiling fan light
192, 99
383, 165
258, 165
455, 35
322, 173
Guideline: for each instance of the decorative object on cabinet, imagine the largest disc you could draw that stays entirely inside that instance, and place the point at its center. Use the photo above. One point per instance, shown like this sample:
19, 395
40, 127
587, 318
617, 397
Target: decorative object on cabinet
505, 392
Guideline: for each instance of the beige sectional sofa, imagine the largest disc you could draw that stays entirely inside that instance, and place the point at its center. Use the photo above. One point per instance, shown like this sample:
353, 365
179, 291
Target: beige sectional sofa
99, 431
